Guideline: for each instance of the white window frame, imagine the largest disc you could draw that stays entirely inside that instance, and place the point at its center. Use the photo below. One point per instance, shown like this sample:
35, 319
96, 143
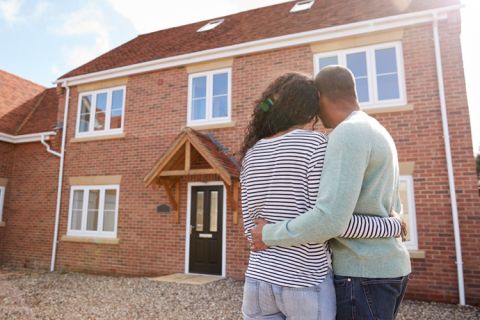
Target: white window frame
91, 132
93, 234
374, 102
2, 200
412, 244
209, 98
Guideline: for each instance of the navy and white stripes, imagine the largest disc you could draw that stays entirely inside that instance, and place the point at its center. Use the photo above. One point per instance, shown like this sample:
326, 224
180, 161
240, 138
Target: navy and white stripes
280, 179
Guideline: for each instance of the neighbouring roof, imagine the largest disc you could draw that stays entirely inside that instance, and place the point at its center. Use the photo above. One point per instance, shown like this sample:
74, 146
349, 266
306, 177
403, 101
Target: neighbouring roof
25, 107
203, 152
262, 23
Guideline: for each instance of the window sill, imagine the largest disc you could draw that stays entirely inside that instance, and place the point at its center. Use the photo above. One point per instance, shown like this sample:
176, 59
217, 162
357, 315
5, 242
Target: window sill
417, 254
207, 126
2, 224
98, 138
383, 109
90, 240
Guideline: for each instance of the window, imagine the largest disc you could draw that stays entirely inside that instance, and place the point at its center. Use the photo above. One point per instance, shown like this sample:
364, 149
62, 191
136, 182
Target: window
211, 25
2, 198
101, 112
408, 201
93, 211
209, 97
378, 72
302, 5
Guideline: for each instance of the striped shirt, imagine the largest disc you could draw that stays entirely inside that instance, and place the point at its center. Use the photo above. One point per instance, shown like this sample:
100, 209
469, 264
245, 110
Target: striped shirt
280, 179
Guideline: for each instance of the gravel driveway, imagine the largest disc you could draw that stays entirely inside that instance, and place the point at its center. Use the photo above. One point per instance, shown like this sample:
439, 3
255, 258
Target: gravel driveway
34, 295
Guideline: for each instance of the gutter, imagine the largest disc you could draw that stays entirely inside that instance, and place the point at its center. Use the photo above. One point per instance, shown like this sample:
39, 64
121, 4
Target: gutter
60, 178
26, 138
268, 44
448, 153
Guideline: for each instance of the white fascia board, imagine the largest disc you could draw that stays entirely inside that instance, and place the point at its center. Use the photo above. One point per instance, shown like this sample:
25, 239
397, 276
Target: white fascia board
25, 138
268, 44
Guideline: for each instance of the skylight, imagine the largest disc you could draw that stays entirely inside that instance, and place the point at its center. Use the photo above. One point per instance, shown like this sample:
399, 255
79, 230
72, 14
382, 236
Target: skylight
211, 25
302, 5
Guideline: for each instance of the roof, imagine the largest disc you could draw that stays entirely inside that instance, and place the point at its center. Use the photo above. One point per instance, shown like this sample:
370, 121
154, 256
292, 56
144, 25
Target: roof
262, 23
17, 99
202, 153
25, 107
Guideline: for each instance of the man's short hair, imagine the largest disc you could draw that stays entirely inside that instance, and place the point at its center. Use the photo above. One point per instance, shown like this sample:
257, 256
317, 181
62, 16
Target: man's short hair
336, 83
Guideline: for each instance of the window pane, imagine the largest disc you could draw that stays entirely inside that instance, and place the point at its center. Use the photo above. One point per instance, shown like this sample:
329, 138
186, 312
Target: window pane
117, 107
199, 110
388, 87
199, 89
199, 217
386, 60
327, 61
110, 199
220, 84
214, 211
357, 63
93, 206
77, 206
220, 107
100, 107
361, 86
109, 221
85, 107
404, 198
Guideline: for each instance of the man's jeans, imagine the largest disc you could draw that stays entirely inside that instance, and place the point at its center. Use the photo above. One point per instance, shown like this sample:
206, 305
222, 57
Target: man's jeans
369, 298
262, 300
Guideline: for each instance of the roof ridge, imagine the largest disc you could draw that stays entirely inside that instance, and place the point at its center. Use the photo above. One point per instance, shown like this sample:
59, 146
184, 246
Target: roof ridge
21, 78
29, 115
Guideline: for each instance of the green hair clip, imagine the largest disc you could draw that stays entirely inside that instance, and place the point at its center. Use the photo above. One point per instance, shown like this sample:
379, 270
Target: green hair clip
266, 105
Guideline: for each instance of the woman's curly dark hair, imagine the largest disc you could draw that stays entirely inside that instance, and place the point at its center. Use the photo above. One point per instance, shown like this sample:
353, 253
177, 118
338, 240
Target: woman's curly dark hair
295, 102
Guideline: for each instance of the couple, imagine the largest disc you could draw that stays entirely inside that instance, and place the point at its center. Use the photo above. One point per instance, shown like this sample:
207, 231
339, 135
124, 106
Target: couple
300, 226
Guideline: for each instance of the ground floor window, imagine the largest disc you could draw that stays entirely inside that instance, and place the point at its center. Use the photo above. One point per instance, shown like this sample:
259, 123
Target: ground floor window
407, 197
2, 197
93, 211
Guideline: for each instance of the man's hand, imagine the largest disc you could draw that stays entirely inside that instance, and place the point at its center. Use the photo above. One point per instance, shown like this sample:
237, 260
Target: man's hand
257, 244
404, 232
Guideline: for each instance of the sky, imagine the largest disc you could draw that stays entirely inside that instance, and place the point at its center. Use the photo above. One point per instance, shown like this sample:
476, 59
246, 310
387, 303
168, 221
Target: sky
43, 39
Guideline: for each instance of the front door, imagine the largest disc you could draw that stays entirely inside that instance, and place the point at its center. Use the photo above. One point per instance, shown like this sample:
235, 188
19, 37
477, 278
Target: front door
206, 230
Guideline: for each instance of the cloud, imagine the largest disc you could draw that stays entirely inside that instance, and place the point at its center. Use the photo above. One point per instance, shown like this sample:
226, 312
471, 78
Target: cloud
10, 11
87, 27
13, 11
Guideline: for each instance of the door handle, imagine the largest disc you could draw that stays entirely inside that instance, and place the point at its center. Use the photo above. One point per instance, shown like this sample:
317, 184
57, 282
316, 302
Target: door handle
191, 229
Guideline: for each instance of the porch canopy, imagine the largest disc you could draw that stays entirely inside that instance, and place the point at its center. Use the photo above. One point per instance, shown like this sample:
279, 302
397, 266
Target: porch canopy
193, 153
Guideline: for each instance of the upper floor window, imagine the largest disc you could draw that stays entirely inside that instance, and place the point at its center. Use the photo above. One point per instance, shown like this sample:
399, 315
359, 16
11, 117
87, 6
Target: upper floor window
101, 112
93, 211
378, 72
407, 197
2, 198
209, 97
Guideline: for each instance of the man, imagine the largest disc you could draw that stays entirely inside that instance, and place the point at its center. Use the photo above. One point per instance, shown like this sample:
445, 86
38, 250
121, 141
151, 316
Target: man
360, 175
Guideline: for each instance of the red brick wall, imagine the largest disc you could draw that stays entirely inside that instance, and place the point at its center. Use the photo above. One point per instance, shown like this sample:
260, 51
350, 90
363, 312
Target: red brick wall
156, 106
29, 211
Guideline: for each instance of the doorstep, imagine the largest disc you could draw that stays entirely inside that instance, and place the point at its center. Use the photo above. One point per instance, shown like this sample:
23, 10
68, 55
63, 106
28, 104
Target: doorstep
196, 279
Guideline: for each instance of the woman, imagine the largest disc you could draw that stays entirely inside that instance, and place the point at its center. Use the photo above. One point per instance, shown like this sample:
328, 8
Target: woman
281, 169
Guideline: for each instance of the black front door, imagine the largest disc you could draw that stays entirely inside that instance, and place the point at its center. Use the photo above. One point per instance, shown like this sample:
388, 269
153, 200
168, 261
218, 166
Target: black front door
206, 230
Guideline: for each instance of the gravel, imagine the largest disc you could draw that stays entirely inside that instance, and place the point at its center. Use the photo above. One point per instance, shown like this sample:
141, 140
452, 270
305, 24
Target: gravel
41, 295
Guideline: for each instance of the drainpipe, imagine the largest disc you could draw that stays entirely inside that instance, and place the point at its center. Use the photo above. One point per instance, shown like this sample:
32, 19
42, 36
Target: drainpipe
42, 140
60, 178
448, 152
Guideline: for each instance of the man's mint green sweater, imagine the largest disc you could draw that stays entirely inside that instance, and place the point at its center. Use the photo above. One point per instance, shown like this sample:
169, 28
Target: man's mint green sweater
360, 175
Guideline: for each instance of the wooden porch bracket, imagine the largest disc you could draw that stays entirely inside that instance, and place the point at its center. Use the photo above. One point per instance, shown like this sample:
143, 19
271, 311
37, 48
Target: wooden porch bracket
234, 200
173, 197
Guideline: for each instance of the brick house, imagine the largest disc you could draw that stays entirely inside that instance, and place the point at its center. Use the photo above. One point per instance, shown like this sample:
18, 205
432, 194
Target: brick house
129, 164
